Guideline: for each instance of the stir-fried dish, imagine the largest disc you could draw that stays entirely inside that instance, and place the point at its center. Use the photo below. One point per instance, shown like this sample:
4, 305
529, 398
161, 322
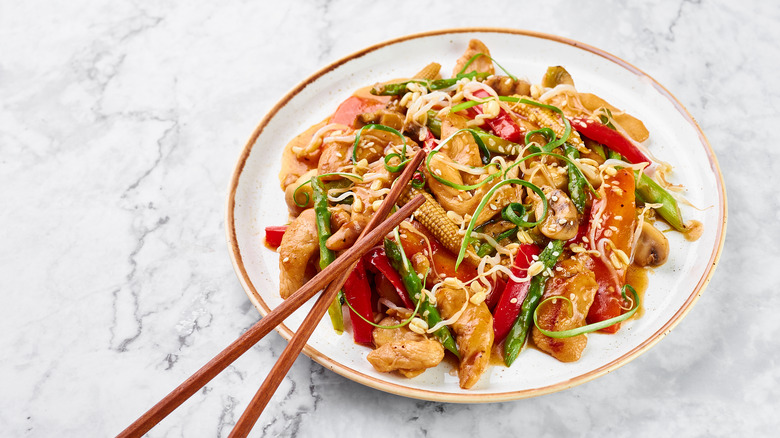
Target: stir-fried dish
542, 204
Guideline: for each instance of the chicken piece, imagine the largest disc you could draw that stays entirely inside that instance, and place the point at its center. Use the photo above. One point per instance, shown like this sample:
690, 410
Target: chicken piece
345, 236
294, 166
577, 283
298, 246
400, 349
335, 157
464, 150
473, 332
481, 64
406, 356
384, 336
541, 174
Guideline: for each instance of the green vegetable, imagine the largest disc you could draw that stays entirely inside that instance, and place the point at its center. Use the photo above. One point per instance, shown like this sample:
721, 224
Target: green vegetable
496, 144
413, 284
519, 332
434, 123
477, 55
399, 88
322, 219
612, 155
577, 182
648, 191
514, 212
484, 202
590, 327
488, 249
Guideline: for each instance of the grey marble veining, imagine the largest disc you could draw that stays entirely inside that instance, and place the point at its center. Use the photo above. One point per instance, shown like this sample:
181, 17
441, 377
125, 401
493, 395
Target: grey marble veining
120, 124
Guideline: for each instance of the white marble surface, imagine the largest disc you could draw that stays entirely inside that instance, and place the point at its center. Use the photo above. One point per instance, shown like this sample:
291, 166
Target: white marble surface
120, 124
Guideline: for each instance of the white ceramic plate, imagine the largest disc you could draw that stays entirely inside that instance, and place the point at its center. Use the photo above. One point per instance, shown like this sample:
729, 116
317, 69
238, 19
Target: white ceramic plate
256, 201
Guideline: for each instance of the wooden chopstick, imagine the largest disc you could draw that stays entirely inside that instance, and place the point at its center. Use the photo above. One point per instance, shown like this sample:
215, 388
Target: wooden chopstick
244, 342
293, 349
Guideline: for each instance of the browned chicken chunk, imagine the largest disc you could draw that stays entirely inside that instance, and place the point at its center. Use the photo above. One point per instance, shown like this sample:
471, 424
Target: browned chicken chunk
400, 349
578, 284
473, 333
298, 246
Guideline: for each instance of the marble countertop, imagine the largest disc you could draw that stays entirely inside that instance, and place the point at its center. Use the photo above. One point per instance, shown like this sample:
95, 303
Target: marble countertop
120, 124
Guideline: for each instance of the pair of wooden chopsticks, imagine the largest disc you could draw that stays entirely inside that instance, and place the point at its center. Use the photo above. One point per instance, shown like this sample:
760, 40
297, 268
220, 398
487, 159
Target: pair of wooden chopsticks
332, 276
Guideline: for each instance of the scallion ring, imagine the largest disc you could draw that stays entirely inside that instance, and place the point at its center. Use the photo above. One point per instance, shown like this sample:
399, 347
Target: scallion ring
379, 128
514, 213
548, 134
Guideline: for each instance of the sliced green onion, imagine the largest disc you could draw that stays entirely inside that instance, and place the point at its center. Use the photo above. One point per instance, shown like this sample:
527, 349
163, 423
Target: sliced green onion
344, 174
307, 197
484, 202
418, 180
514, 213
561, 157
548, 134
590, 327
468, 104
474, 58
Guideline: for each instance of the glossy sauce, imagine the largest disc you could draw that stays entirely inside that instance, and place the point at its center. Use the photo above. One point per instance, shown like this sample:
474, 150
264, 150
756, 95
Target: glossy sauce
637, 277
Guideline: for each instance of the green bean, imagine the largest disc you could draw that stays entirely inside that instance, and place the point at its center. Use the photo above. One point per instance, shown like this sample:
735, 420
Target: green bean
648, 191
414, 288
577, 183
327, 256
519, 332
400, 88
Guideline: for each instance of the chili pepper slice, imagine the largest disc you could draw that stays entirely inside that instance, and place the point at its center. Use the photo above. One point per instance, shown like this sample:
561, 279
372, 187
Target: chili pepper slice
358, 294
502, 125
610, 138
617, 224
274, 234
511, 300
517, 335
379, 263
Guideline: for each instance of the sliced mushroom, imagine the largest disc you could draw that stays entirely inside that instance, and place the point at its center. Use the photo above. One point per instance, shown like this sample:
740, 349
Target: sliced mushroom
562, 221
652, 249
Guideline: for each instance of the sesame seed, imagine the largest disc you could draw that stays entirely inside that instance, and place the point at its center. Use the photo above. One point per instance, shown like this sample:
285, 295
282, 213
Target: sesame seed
285, 260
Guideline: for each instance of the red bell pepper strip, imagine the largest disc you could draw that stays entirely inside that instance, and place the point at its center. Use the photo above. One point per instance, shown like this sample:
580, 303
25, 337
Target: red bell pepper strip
379, 263
430, 140
358, 294
352, 107
502, 125
274, 234
508, 307
495, 294
610, 138
617, 223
